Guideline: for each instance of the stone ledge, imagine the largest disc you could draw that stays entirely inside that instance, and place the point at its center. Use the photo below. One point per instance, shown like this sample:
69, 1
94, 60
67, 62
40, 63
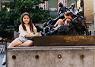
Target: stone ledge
51, 48
64, 41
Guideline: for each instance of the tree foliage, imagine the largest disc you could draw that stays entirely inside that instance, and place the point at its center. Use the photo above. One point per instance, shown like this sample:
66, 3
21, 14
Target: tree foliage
38, 15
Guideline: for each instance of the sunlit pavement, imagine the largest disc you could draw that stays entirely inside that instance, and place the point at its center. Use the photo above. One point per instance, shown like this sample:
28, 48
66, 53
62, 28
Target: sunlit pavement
1, 58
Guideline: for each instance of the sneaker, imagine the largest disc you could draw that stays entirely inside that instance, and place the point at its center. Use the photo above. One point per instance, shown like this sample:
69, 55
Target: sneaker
3, 63
4, 60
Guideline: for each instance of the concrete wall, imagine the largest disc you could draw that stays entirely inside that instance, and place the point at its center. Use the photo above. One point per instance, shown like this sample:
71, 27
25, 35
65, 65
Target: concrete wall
94, 12
71, 56
88, 10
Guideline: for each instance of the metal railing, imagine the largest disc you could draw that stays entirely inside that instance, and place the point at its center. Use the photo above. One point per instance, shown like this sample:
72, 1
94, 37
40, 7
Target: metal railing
3, 42
2, 49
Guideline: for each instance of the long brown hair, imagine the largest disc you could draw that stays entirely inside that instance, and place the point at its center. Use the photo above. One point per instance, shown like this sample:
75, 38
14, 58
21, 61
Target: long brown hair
30, 22
69, 14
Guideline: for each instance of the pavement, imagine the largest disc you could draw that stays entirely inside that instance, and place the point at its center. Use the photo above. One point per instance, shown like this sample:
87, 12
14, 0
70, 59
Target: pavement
1, 55
1, 58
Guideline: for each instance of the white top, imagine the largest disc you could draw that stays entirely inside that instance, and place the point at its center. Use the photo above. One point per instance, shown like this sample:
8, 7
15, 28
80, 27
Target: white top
23, 32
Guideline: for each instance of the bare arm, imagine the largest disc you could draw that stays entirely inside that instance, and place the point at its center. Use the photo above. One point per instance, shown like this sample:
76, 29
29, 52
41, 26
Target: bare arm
58, 24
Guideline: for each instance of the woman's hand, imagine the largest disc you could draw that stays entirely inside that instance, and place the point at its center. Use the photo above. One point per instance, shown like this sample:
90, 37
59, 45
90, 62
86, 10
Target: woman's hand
32, 34
29, 35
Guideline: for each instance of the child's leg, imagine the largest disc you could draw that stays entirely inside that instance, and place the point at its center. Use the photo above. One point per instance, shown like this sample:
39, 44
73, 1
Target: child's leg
27, 43
15, 43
